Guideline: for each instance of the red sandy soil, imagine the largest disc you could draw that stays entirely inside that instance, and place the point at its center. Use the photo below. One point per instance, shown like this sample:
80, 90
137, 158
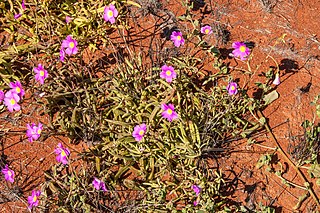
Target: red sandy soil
246, 20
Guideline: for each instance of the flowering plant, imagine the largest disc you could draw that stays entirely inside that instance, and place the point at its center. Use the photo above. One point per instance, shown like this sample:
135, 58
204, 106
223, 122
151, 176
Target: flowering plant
240, 50
177, 38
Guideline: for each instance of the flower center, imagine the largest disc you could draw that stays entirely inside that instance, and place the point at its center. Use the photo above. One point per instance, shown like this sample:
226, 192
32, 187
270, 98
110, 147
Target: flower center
168, 73
41, 73
207, 31
34, 199
242, 49
9, 173
12, 101
169, 111
110, 13
141, 132
178, 38
71, 44
18, 90
232, 88
39, 131
63, 153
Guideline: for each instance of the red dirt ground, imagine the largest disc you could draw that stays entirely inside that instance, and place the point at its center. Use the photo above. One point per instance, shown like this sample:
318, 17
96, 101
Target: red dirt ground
246, 20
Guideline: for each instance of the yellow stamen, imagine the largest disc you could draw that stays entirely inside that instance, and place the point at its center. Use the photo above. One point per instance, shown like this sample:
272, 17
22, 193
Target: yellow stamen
39, 131
63, 153
169, 111
71, 44
242, 49
178, 38
168, 73
9, 173
207, 31
110, 13
141, 132
12, 101
41, 73
34, 199
18, 90
232, 88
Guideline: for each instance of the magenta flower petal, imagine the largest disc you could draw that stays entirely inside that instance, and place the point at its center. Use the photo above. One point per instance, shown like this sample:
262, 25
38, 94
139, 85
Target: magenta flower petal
1, 96
16, 16
232, 88
23, 5
68, 19
34, 132
103, 186
99, 184
11, 100
139, 131
17, 88
96, 183
41, 73
168, 112
33, 199
110, 13
177, 38
196, 189
70, 45
62, 54
206, 30
240, 50
8, 174
168, 73
62, 154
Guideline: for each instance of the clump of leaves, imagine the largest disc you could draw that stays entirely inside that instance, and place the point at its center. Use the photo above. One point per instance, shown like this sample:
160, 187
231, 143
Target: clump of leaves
166, 163
100, 102
307, 149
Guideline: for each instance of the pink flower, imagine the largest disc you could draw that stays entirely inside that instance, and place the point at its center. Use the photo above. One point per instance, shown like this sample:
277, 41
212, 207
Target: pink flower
276, 80
16, 16
62, 154
8, 174
70, 45
41, 73
168, 73
240, 50
168, 112
1, 96
11, 100
206, 30
17, 88
110, 13
195, 203
62, 54
34, 132
33, 199
177, 38
99, 184
68, 19
232, 88
139, 131
23, 5
196, 189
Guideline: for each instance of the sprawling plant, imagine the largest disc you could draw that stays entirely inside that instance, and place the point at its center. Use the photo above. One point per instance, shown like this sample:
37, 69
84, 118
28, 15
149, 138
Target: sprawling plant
151, 116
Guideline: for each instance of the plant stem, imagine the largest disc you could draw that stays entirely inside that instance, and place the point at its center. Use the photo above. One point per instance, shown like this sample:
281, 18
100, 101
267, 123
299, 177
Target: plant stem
297, 169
